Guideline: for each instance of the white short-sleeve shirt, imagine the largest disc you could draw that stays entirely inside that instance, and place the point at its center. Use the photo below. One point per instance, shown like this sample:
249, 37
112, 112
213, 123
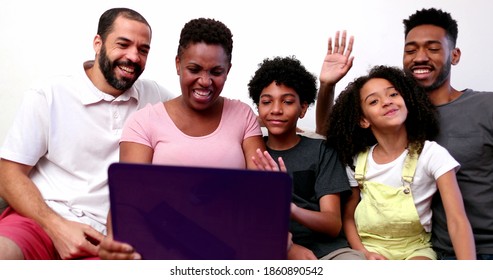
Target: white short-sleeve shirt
433, 162
70, 131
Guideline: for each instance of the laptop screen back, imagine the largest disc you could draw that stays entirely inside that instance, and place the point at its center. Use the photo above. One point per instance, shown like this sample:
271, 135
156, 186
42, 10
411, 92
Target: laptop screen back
176, 212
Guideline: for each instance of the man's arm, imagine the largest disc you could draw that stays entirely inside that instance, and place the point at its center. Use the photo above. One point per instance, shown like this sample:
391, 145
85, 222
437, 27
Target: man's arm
335, 66
71, 239
325, 100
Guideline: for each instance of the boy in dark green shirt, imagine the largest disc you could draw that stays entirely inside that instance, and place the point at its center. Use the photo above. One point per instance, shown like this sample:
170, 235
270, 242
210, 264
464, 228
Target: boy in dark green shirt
283, 90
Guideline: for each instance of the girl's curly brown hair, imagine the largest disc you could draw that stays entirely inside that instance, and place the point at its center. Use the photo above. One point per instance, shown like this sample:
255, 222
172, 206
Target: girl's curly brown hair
347, 136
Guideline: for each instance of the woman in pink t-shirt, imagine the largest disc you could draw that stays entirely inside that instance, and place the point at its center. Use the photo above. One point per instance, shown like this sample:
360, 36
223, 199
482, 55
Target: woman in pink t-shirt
199, 127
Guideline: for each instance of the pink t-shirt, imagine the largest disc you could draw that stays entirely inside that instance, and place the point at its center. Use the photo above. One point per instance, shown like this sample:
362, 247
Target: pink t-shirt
153, 127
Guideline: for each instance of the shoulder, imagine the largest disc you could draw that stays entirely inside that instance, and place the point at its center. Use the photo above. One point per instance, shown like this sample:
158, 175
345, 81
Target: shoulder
56, 81
150, 89
478, 92
235, 103
235, 106
63, 88
316, 144
431, 146
149, 110
437, 159
479, 96
434, 151
312, 141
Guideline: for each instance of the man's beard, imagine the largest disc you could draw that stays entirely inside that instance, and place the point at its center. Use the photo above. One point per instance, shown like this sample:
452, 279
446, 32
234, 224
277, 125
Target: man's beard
442, 76
107, 67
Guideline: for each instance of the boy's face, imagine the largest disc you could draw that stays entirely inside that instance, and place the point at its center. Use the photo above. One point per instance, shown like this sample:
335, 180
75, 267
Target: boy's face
280, 108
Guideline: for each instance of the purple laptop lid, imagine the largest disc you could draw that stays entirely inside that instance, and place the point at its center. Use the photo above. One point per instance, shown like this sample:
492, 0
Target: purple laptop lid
195, 213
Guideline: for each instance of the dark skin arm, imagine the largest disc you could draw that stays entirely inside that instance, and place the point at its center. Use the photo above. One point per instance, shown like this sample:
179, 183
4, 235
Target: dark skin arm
337, 63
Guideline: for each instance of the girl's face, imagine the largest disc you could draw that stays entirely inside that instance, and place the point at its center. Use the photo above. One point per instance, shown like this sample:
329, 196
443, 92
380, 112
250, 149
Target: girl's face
203, 70
383, 106
280, 108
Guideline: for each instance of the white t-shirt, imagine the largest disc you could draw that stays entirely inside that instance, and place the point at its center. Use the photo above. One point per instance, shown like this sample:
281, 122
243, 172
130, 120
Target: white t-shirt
70, 131
433, 162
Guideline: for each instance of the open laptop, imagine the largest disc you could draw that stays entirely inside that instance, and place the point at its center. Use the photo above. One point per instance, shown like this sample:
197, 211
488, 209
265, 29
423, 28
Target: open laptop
195, 213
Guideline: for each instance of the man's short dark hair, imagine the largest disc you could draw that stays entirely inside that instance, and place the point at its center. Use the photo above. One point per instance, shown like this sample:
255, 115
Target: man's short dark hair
435, 17
107, 19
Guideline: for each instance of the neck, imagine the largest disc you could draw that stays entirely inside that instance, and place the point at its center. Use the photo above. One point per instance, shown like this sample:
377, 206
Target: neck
390, 145
443, 95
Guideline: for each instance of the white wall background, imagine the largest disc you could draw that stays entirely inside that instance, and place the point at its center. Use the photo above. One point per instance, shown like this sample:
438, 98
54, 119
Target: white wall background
43, 38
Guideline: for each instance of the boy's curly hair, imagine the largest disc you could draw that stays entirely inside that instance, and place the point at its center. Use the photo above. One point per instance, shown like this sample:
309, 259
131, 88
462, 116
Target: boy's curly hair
209, 31
349, 138
286, 71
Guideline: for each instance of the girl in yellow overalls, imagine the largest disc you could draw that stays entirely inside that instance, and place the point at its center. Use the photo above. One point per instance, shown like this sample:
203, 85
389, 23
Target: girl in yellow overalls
382, 125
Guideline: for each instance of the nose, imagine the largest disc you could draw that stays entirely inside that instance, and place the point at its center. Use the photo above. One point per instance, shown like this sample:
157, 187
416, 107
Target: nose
276, 108
421, 55
387, 101
205, 79
133, 54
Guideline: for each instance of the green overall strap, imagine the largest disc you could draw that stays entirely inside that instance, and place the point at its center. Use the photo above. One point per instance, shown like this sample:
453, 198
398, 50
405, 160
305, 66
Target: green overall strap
360, 169
409, 168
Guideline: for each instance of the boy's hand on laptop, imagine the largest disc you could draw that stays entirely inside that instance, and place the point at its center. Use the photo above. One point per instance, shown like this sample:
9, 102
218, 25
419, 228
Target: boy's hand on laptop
265, 162
110, 249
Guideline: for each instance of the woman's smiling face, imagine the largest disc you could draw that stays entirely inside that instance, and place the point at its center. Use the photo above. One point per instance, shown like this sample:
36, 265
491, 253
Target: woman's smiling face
203, 70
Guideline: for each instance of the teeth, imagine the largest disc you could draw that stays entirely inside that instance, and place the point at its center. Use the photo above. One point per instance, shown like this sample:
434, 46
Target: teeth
202, 93
421, 71
127, 69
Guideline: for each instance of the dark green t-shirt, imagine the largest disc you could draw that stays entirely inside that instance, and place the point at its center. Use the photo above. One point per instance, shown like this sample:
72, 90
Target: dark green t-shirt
316, 171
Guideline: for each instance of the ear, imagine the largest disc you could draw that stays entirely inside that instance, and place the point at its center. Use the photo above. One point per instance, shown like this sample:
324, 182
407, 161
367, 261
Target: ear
304, 108
364, 123
177, 65
455, 56
97, 43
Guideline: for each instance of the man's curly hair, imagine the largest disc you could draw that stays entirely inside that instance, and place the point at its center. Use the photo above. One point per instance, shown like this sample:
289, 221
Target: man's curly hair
349, 138
435, 17
286, 71
205, 30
